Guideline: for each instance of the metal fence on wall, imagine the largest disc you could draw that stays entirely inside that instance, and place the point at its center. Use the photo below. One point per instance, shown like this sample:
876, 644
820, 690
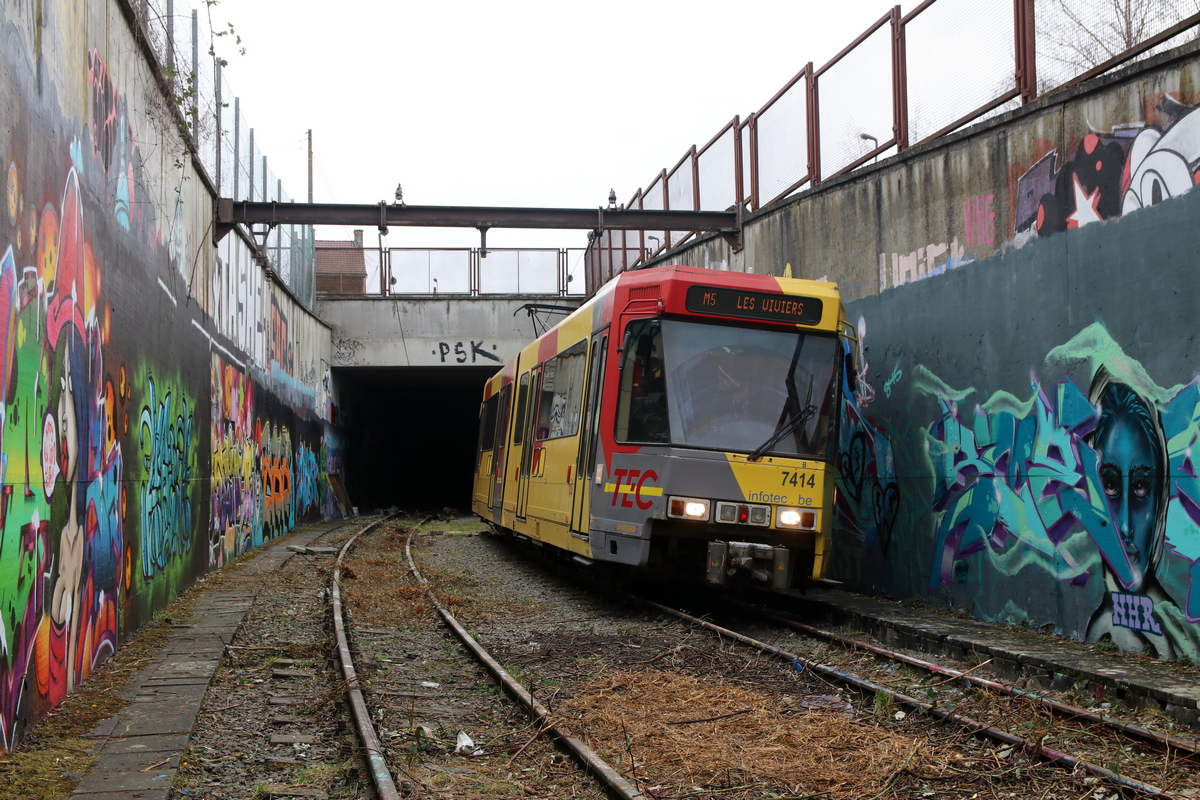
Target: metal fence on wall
474, 272
908, 79
181, 37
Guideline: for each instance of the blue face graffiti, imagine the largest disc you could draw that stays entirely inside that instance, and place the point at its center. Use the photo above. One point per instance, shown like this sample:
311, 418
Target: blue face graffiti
1128, 441
1095, 491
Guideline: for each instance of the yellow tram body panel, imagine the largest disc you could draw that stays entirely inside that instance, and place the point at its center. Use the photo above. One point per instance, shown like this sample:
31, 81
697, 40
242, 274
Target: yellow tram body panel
792, 483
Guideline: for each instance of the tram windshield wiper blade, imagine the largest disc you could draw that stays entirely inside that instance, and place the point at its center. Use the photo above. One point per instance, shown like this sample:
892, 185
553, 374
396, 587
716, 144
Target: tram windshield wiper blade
787, 425
787, 429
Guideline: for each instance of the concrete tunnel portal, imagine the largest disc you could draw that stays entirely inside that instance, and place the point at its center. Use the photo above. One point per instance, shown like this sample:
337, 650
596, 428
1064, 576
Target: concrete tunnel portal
410, 372
411, 435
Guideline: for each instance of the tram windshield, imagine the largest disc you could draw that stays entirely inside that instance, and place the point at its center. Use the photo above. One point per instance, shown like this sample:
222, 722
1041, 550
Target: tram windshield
720, 387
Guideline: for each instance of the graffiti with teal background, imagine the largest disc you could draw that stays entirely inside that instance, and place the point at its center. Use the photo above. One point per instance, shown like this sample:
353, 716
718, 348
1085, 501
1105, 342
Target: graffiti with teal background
1085, 483
868, 498
308, 477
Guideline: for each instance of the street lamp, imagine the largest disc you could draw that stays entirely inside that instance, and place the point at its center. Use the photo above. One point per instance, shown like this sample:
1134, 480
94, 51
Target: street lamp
866, 137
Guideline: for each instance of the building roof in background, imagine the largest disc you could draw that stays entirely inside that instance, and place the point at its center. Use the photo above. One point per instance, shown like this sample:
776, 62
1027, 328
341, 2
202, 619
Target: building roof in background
339, 258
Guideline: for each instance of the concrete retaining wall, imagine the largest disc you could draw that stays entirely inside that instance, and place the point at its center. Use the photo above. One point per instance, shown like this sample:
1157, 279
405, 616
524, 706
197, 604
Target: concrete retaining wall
164, 403
456, 331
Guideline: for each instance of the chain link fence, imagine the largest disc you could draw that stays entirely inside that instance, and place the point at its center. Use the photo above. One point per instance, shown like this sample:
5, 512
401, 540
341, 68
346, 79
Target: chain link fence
223, 139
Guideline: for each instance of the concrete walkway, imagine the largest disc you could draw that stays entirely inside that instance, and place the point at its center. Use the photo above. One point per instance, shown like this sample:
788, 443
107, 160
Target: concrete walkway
138, 750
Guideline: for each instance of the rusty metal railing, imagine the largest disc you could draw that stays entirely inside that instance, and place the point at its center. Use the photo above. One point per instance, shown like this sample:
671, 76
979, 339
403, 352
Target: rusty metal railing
830, 120
468, 271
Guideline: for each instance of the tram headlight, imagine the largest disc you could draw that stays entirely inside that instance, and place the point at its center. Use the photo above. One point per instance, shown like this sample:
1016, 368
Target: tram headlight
802, 518
687, 508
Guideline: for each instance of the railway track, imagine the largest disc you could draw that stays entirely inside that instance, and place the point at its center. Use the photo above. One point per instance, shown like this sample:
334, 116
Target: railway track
1185, 746
424, 711
669, 712
1124, 755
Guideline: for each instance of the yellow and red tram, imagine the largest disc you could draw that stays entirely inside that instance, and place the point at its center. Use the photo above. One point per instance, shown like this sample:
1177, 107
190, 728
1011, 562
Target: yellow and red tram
682, 420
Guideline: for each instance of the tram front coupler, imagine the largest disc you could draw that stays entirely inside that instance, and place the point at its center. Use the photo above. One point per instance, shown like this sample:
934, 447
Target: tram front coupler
765, 564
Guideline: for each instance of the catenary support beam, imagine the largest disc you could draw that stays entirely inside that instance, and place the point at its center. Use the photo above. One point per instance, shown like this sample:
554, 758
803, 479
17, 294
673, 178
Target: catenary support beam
230, 213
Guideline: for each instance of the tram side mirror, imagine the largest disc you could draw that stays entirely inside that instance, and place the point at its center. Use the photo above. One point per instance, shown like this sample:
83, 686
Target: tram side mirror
621, 350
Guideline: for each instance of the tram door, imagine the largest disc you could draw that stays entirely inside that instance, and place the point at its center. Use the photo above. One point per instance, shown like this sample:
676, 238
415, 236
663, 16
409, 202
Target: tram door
497, 495
530, 445
589, 441
516, 453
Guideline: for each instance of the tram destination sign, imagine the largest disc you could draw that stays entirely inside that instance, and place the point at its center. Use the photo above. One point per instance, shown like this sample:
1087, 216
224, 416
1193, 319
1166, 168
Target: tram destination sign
754, 305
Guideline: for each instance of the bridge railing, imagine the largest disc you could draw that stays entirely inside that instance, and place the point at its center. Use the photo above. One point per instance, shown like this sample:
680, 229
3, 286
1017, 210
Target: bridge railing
906, 80
470, 271
182, 40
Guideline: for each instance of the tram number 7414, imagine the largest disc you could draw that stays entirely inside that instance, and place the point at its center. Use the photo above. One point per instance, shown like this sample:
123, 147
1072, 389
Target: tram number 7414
799, 479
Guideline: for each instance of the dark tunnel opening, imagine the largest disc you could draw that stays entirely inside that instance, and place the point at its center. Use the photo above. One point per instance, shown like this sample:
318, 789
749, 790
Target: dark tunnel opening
411, 435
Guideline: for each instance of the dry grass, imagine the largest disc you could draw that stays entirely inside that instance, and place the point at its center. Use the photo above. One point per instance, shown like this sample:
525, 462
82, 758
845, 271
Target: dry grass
657, 722
380, 591
377, 586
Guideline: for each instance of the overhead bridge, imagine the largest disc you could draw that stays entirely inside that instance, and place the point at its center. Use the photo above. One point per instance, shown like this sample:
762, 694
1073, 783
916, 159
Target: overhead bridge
442, 332
385, 215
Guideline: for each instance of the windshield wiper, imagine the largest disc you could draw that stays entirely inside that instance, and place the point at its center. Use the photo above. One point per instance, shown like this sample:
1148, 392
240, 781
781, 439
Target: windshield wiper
786, 425
787, 429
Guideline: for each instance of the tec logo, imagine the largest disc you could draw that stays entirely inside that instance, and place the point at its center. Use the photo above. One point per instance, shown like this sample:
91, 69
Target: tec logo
631, 485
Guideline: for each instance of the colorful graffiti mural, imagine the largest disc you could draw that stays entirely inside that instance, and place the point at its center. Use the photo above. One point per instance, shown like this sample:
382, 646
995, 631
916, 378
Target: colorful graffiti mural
1094, 487
235, 521
1111, 173
63, 511
261, 486
868, 497
169, 460
103, 458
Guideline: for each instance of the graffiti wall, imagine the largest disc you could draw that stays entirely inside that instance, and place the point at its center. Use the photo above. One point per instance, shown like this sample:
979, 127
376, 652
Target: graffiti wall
161, 403
1020, 445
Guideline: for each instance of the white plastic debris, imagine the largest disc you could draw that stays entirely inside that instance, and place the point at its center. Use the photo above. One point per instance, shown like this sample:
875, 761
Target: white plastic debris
464, 745
899, 715
430, 684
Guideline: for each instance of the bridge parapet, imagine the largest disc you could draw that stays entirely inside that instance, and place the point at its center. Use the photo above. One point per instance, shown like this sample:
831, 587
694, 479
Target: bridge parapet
455, 331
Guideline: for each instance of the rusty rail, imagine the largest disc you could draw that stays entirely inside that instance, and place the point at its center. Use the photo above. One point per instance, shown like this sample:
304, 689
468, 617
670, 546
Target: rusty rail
540, 714
1162, 739
381, 775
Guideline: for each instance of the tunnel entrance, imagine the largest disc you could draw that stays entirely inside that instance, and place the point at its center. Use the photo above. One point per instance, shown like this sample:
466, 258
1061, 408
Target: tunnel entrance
411, 435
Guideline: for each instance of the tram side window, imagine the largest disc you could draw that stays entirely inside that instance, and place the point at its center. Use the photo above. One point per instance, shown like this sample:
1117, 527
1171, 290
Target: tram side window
487, 423
562, 393
642, 408
522, 402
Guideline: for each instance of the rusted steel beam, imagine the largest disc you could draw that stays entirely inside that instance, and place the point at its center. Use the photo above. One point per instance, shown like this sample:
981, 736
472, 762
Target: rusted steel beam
230, 213
899, 82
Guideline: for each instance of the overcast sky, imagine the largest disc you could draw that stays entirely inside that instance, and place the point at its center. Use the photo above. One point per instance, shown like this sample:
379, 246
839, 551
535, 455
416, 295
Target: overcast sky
526, 103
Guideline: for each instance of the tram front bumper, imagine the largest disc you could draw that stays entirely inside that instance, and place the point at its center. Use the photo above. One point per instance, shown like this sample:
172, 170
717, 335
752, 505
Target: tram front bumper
765, 563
